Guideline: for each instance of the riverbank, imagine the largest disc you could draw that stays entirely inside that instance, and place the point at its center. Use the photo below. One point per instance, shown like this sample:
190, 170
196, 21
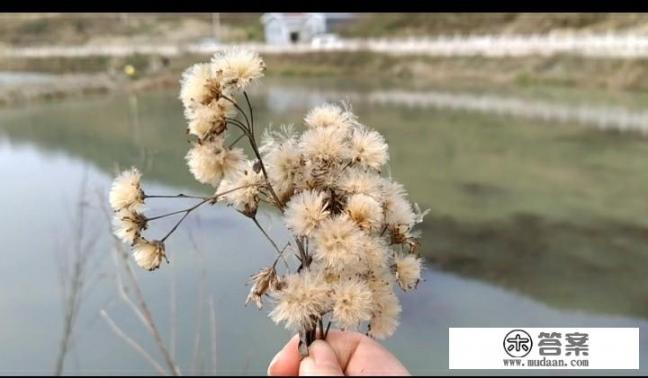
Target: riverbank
79, 76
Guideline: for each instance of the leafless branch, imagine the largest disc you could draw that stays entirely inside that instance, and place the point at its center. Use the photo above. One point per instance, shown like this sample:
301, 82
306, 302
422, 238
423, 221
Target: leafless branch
212, 324
132, 343
142, 311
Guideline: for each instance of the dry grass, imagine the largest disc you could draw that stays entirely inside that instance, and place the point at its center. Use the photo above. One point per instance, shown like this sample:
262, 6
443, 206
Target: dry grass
81, 28
423, 24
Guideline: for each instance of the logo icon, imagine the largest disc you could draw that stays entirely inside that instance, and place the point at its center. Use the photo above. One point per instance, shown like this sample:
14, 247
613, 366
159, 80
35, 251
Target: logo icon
517, 343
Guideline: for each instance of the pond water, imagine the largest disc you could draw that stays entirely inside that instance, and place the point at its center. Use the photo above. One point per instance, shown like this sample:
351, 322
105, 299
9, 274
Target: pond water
533, 223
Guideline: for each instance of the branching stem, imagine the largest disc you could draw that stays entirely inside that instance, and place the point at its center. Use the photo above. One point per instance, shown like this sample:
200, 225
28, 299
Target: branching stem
173, 196
236, 140
266, 234
237, 108
194, 207
247, 99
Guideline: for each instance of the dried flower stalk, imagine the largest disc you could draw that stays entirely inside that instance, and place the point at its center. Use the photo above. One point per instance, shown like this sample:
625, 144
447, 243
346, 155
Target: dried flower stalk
352, 226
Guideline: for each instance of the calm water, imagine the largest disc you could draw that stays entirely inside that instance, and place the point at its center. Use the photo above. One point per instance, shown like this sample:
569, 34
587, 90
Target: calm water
533, 223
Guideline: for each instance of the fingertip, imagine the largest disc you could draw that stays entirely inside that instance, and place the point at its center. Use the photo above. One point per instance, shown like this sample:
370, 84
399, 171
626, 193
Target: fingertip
321, 360
286, 361
273, 363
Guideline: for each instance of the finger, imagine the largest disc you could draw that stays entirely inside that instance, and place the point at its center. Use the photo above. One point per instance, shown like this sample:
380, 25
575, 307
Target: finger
321, 360
362, 355
286, 362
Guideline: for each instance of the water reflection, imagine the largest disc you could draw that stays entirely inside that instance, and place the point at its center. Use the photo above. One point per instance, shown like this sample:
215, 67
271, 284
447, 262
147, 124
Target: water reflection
551, 223
602, 117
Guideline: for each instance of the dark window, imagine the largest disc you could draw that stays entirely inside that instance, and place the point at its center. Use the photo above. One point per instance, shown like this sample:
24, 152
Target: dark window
294, 37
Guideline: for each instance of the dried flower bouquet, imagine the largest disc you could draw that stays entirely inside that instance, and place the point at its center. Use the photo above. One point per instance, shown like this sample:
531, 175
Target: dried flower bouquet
352, 227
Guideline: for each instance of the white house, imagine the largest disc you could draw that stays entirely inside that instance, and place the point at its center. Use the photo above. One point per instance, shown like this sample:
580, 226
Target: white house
287, 28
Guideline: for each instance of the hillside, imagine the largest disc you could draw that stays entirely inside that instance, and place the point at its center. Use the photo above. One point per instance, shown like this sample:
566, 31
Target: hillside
426, 24
29, 29
18, 29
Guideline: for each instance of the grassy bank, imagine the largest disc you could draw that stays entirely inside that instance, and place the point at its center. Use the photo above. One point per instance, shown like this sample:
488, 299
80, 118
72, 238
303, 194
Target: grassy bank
46, 29
18, 29
566, 72
425, 24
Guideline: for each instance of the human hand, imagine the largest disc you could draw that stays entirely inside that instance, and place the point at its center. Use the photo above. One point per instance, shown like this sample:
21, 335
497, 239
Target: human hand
343, 353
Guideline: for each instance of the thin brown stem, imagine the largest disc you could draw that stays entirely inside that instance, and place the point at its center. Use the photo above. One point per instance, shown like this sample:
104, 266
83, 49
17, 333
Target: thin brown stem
321, 328
171, 213
238, 108
255, 149
247, 99
280, 252
174, 196
175, 226
266, 235
236, 140
280, 256
305, 260
132, 343
328, 326
239, 124
194, 207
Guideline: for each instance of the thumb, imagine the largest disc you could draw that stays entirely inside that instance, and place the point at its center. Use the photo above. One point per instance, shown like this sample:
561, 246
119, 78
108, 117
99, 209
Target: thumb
321, 360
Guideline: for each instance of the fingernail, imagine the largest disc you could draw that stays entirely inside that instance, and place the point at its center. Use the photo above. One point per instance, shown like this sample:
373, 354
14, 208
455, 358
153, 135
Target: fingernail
273, 361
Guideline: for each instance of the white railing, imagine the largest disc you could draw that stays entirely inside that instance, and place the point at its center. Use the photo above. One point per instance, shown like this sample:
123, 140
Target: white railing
500, 45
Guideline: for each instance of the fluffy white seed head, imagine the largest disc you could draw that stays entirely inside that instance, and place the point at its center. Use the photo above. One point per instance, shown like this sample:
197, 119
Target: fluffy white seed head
149, 254
386, 309
208, 162
198, 84
207, 120
337, 243
398, 210
283, 163
243, 186
305, 211
356, 180
126, 191
391, 188
365, 211
352, 303
330, 116
378, 254
128, 225
304, 296
324, 144
368, 148
407, 269
238, 67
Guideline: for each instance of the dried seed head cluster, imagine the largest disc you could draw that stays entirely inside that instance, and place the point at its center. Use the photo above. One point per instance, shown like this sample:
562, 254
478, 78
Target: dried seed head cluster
207, 94
356, 225
352, 227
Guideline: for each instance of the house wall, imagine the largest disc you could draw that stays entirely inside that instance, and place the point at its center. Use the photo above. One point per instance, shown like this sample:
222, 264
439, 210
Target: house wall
275, 32
278, 28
